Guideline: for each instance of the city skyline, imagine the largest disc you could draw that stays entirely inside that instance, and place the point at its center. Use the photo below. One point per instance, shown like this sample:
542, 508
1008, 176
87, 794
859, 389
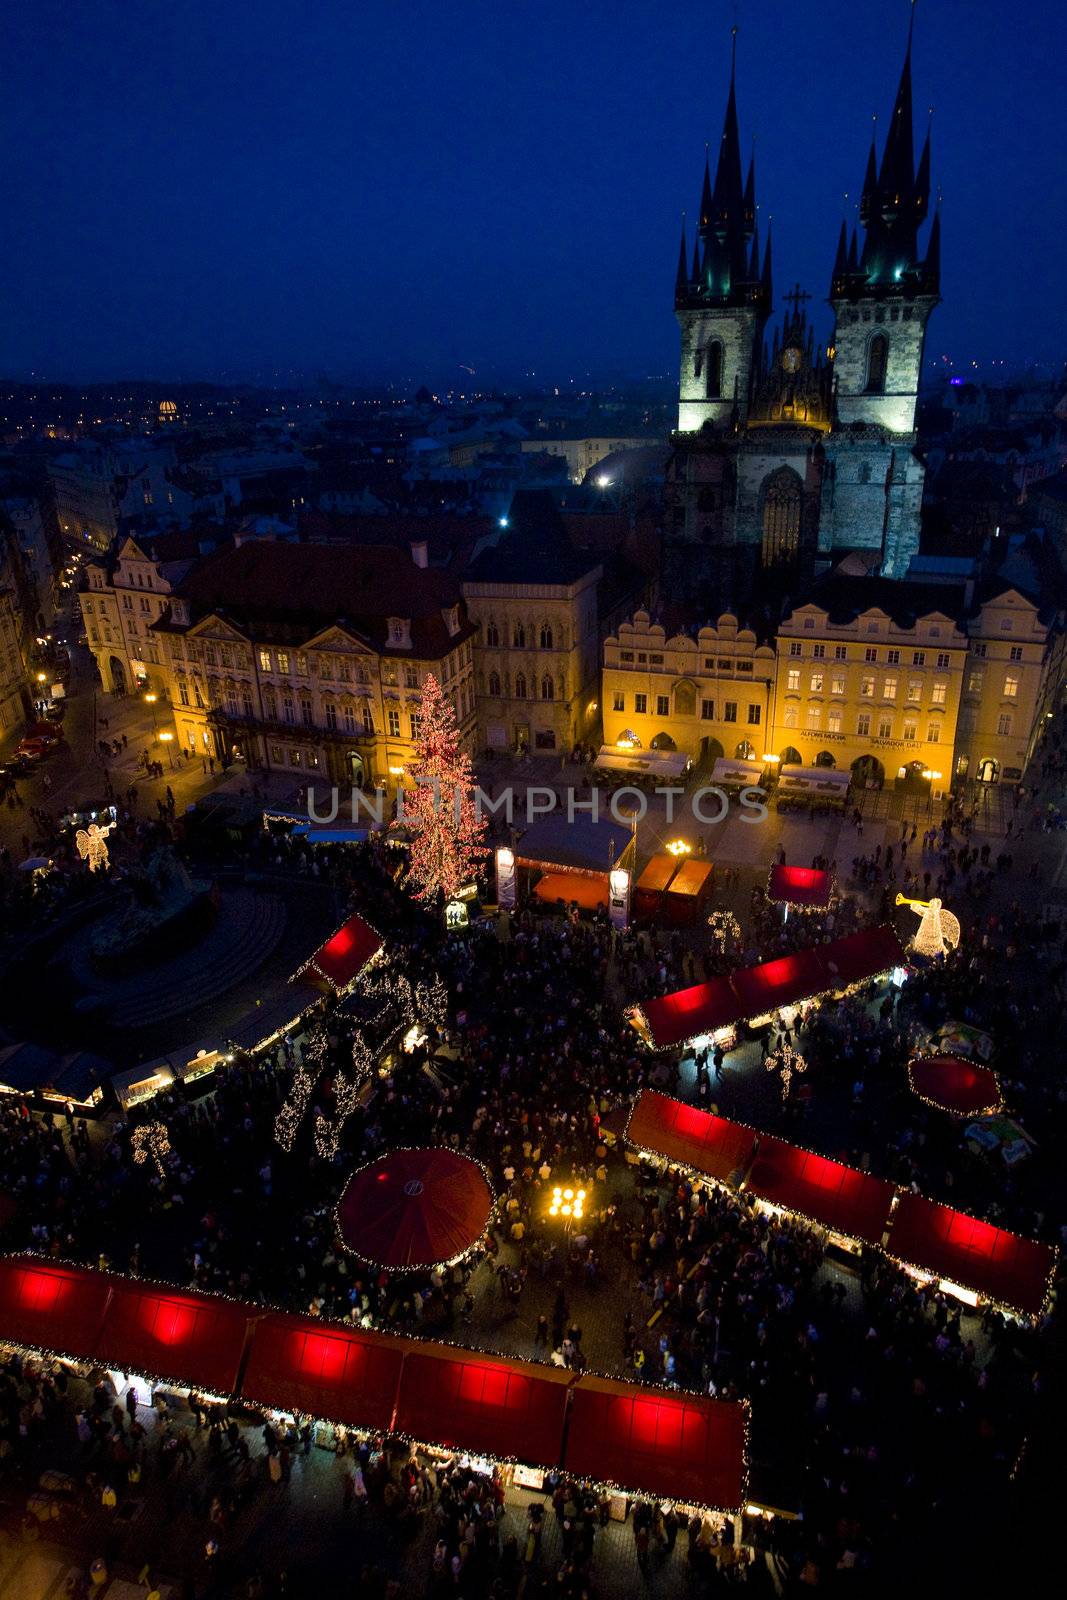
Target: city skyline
231, 201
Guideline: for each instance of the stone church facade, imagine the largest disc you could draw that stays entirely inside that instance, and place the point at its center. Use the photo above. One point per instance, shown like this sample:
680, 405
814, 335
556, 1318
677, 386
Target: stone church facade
788, 453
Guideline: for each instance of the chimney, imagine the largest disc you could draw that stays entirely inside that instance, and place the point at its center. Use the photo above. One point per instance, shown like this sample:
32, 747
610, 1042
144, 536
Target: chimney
420, 552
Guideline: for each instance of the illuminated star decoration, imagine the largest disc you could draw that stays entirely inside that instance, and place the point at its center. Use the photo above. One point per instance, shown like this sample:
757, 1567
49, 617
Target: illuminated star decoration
938, 929
785, 1061
91, 845
151, 1142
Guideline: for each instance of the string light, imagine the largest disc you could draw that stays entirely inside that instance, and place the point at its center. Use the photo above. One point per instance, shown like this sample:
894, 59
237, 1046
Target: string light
938, 930
151, 1142
785, 1061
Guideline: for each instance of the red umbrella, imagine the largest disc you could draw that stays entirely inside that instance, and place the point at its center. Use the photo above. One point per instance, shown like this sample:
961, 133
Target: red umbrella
964, 1088
414, 1208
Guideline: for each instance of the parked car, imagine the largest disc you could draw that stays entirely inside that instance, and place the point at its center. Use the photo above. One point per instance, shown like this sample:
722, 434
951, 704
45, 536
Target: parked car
35, 749
43, 730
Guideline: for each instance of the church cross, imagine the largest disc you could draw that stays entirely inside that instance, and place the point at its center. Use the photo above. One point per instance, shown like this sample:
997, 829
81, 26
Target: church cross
795, 296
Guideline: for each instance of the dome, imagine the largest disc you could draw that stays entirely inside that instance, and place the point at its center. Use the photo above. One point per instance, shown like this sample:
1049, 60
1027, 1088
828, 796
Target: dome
168, 408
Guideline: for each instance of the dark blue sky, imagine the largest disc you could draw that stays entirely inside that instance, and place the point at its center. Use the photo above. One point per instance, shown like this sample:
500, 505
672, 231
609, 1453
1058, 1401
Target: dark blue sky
381, 187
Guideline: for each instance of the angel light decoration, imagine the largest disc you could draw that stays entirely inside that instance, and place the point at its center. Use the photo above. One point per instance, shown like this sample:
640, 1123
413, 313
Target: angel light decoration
91, 843
938, 929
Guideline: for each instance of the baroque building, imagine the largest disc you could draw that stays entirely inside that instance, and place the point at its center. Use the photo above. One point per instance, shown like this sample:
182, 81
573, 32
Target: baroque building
788, 451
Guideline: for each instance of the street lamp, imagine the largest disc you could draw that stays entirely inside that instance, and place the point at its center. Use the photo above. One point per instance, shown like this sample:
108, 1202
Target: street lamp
151, 700
168, 739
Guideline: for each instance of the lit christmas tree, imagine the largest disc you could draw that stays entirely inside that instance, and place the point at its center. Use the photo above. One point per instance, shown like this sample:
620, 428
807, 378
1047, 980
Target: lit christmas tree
447, 830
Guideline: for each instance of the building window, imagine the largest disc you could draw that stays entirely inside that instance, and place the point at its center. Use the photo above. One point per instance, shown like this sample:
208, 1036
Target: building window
288, 709
626, 655
889, 689
809, 624
307, 711
492, 633
744, 666
546, 636
863, 724
183, 691
707, 710
790, 717
618, 701
795, 647
641, 703
368, 720
547, 691
393, 722
1004, 723
520, 686
494, 683
294, 758
231, 702
816, 683
893, 658
867, 687
813, 717
781, 518
301, 665
885, 727
911, 732
833, 720
938, 694
877, 363
871, 653
819, 652
837, 683
933, 733
1015, 653
754, 713
1011, 686
915, 688
944, 661
708, 364
518, 637
411, 678
840, 652
978, 649
918, 658
331, 715
663, 705
974, 683
414, 724
793, 678
348, 718
729, 711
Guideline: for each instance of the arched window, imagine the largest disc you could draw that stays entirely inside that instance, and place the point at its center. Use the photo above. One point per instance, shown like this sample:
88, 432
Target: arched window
492, 633
877, 362
520, 686
713, 371
781, 518
518, 638
547, 692
546, 636
494, 683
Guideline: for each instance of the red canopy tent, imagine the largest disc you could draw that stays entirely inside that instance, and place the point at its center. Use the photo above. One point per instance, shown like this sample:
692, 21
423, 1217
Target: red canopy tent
805, 887
682, 1133
861, 955
704, 1008
52, 1307
828, 1192
674, 1445
779, 983
166, 1333
301, 1364
483, 1405
963, 1088
414, 1208
342, 958
990, 1261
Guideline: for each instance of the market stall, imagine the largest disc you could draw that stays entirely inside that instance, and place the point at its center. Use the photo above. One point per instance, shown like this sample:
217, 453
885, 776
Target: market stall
596, 855
337, 964
733, 775
799, 888
848, 1202
821, 788
691, 1448
949, 1083
51, 1307
415, 1208
672, 1019
688, 894
668, 1128
325, 1370
653, 884
194, 1339
977, 1256
628, 763
507, 1410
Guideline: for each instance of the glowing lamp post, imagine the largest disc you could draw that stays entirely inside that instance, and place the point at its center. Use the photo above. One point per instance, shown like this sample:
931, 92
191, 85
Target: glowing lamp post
568, 1204
168, 740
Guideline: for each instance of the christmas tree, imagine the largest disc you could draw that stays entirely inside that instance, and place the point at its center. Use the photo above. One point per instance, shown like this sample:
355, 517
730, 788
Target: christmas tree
447, 831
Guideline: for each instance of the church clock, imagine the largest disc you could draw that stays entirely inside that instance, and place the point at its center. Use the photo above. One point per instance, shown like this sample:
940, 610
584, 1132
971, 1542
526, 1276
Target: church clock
791, 359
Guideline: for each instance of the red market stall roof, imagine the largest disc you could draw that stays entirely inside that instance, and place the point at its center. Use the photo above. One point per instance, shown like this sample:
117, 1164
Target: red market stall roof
779, 983
752, 991
166, 1333
964, 1088
679, 1446
800, 886
414, 1208
704, 1008
483, 1405
838, 1197
51, 1307
587, 893
302, 1364
694, 1138
344, 955
990, 1261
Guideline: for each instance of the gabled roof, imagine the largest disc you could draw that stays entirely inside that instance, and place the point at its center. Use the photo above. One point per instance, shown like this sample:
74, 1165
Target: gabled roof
536, 549
845, 598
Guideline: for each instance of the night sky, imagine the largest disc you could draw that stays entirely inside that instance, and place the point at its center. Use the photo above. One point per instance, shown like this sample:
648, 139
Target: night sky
376, 189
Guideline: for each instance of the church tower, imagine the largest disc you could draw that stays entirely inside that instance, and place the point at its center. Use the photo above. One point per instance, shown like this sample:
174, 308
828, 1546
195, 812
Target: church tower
882, 296
723, 295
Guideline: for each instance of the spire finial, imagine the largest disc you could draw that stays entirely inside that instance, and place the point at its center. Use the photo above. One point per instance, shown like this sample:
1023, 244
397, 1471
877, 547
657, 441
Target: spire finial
733, 50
